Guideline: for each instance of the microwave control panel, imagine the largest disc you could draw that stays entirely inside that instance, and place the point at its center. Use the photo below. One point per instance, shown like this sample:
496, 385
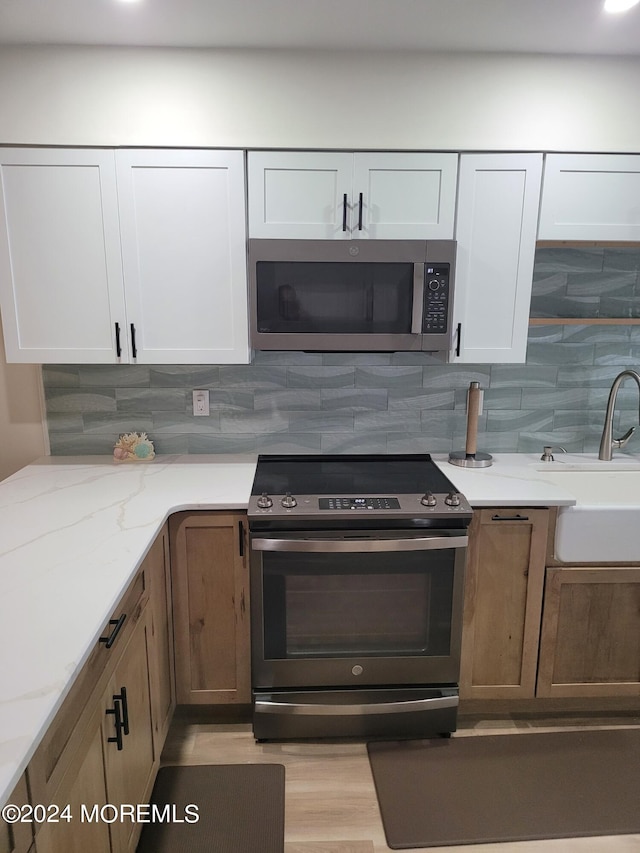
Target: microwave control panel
435, 312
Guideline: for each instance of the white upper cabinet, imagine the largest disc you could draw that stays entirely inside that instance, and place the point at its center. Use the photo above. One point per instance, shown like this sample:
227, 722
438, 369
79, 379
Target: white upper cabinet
148, 267
342, 196
61, 286
590, 197
498, 200
182, 221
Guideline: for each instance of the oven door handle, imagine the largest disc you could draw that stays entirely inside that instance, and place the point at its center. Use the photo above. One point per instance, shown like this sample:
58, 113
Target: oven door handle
329, 709
415, 543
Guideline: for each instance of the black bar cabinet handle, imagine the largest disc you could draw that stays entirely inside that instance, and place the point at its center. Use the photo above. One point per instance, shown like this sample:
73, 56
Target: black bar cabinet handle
517, 517
241, 538
117, 722
134, 350
118, 345
360, 212
118, 623
122, 698
344, 212
458, 336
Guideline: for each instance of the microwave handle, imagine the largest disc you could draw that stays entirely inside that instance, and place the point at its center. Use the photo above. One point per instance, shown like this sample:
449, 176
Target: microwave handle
418, 299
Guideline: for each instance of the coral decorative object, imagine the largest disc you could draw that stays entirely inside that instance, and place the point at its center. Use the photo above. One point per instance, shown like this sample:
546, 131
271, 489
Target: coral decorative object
133, 447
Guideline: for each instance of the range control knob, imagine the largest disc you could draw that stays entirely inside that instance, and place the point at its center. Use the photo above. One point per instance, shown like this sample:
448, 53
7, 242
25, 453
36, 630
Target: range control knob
288, 501
452, 499
264, 501
428, 499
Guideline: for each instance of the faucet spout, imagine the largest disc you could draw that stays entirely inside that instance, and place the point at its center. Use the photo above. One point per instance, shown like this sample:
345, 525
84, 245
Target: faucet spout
608, 442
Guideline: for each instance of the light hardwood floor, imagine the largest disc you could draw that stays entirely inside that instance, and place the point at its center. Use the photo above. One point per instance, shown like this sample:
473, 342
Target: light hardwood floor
331, 805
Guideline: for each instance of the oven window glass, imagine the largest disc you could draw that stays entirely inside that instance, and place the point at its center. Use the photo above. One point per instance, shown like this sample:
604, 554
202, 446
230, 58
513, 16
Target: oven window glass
334, 298
333, 605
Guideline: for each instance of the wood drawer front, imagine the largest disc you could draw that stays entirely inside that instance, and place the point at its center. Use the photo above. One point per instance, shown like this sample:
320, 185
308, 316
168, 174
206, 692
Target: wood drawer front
46, 768
17, 837
590, 639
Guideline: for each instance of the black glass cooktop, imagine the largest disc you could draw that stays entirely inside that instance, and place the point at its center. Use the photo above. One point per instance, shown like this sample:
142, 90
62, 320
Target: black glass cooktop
391, 474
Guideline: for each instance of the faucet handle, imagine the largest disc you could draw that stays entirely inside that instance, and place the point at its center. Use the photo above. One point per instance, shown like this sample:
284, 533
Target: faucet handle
547, 454
620, 442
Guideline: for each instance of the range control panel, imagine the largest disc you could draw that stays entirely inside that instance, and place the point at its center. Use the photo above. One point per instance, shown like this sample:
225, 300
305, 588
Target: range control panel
435, 312
358, 503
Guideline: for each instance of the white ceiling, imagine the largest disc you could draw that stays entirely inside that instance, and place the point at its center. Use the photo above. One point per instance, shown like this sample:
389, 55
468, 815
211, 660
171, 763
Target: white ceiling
539, 26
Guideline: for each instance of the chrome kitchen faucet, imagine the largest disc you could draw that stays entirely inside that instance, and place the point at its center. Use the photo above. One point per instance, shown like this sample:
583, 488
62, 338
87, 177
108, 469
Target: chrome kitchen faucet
608, 442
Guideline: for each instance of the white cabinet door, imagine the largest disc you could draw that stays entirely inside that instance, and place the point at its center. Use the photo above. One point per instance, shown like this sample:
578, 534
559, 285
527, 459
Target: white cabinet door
183, 233
498, 200
404, 196
333, 195
61, 289
590, 197
300, 194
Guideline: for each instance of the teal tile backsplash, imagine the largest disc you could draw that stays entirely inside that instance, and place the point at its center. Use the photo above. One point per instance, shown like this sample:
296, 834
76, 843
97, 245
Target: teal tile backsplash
380, 402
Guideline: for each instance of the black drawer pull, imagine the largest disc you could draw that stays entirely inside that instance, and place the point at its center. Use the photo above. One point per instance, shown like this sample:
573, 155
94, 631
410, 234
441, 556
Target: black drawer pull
517, 517
118, 623
118, 345
117, 722
122, 698
360, 212
459, 339
241, 539
134, 349
344, 212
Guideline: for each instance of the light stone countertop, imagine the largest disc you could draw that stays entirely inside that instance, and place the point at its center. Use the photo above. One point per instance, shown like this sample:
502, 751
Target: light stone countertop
73, 532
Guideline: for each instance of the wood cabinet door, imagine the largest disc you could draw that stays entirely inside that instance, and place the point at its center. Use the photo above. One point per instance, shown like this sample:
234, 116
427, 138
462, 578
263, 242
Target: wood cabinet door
61, 284
590, 197
129, 771
503, 602
401, 196
300, 194
210, 584
83, 786
183, 234
17, 837
161, 670
498, 198
590, 639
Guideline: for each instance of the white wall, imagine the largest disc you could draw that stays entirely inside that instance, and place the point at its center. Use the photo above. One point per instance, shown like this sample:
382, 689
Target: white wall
23, 436
156, 97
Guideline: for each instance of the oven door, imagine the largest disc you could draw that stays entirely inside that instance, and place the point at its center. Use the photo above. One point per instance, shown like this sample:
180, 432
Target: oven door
356, 609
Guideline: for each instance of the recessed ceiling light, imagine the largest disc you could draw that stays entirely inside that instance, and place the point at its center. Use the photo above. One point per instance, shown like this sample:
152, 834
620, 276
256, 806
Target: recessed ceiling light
619, 5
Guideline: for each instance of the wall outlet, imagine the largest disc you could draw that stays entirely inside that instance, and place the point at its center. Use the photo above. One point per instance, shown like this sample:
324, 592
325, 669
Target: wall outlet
201, 404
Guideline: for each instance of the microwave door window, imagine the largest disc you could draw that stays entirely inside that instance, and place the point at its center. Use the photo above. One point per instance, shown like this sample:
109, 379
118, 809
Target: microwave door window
334, 298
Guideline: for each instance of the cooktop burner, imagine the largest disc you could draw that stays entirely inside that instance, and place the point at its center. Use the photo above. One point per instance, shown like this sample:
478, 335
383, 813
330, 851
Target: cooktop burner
352, 489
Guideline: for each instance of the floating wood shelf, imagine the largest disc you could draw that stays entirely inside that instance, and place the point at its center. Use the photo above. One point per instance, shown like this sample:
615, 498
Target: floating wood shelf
584, 321
587, 244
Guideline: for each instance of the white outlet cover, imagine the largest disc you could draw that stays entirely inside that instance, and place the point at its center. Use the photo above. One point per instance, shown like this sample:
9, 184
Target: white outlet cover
201, 403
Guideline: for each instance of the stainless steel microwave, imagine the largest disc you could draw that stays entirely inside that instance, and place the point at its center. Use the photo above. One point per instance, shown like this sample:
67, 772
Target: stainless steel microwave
351, 295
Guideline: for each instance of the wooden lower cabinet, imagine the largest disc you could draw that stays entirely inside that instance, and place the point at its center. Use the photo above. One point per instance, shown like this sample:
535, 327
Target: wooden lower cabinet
503, 601
123, 697
161, 667
17, 837
83, 786
590, 640
210, 584
127, 723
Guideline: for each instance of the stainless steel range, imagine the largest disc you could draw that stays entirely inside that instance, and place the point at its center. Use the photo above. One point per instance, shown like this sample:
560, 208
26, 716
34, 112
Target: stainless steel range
357, 567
